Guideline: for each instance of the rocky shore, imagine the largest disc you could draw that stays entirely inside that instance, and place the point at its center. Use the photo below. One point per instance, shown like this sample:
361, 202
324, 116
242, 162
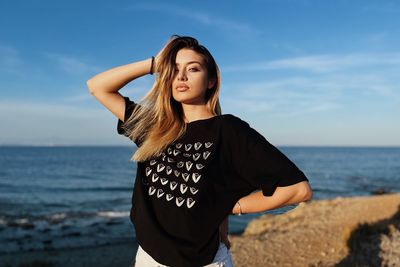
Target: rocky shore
353, 231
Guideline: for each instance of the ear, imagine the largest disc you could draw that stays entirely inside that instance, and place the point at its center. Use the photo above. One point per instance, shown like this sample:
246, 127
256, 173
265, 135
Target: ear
211, 83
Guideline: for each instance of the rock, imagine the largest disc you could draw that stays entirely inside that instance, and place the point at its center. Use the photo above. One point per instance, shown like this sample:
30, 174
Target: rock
380, 191
345, 231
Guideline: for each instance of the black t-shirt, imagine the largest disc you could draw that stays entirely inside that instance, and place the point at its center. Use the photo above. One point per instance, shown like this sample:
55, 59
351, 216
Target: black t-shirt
181, 196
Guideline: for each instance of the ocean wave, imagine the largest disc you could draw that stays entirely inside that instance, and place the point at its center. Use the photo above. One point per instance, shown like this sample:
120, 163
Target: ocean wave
59, 217
113, 214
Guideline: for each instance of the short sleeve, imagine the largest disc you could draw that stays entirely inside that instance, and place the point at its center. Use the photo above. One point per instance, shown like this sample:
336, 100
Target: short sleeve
129, 107
258, 162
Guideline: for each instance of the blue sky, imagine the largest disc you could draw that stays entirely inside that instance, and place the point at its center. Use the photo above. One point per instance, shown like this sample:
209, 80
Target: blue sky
300, 72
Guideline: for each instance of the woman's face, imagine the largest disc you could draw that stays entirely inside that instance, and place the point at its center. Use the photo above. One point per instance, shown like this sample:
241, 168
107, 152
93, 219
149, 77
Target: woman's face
192, 74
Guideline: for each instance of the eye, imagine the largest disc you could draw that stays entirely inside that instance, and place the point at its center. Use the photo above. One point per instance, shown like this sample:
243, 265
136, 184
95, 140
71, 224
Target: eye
194, 69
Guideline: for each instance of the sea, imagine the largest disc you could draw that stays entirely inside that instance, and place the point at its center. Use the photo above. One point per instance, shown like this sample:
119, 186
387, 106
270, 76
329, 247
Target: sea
59, 197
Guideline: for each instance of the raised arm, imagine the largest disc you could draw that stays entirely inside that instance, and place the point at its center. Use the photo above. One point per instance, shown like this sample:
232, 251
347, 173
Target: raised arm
105, 86
283, 196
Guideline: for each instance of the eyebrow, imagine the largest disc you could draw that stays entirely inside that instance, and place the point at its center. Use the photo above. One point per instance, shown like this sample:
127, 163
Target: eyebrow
190, 62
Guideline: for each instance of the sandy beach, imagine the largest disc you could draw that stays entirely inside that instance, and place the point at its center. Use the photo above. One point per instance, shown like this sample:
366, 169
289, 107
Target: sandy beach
352, 231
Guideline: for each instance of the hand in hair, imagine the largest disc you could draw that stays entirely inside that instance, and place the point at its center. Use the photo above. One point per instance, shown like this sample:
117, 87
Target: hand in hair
157, 57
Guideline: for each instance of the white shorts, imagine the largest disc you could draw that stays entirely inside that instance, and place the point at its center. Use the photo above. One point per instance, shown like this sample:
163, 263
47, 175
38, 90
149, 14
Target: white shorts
223, 258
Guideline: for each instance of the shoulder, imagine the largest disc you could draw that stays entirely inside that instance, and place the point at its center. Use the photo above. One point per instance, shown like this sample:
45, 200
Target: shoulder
237, 129
130, 104
232, 122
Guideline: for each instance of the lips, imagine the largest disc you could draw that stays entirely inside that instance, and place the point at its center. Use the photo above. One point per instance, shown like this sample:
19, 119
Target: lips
182, 87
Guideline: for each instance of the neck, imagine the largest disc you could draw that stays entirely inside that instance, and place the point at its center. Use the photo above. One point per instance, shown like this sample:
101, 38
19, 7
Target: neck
195, 112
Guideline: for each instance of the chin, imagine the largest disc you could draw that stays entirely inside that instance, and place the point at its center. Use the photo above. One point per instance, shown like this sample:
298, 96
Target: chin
186, 98
183, 100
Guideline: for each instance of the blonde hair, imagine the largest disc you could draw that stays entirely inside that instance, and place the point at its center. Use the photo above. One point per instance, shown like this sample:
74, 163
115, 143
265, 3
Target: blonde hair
158, 118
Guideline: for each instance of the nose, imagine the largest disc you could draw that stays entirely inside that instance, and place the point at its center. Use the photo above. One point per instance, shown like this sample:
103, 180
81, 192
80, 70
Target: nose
181, 75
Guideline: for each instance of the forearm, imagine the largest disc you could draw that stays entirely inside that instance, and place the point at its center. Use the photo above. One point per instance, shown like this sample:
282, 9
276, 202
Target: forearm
283, 196
112, 80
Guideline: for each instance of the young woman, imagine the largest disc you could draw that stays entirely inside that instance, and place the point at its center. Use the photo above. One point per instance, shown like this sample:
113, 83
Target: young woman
195, 165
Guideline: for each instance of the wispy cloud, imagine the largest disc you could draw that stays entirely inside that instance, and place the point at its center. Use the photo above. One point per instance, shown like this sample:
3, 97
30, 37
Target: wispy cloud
70, 64
208, 19
136, 90
316, 84
10, 59
42, 123
312, 93
286, 46
12, 62
321, 63
292, 100
377, 37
